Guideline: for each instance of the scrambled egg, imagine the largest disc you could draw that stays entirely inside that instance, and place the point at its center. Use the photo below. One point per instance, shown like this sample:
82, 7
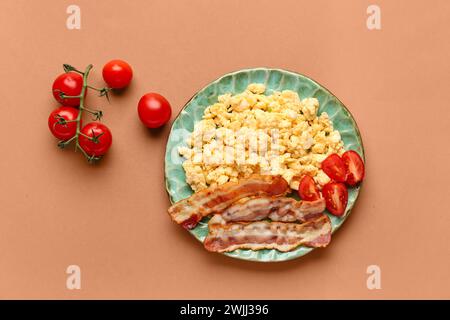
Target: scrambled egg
289, 139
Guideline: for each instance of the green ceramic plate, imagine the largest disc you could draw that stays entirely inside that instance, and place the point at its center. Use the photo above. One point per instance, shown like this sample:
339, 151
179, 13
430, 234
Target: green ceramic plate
236, 82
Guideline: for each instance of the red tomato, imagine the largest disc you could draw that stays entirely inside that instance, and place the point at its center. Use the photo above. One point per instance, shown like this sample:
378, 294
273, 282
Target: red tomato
101, 141
59, 130
117, 74
336, 197
334, 167
354, 166
307, 189
154, 110
71, 84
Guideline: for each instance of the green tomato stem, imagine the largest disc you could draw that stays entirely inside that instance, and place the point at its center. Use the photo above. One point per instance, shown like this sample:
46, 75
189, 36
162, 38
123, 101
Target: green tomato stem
63, 96
97, 113
80, 113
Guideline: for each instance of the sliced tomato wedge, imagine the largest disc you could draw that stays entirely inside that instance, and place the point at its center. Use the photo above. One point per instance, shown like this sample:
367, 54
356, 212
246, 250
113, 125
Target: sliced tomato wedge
354, 166
334, 167
336, 197
307, 189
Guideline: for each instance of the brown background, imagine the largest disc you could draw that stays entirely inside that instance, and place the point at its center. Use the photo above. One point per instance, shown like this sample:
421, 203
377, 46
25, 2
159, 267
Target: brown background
110, 219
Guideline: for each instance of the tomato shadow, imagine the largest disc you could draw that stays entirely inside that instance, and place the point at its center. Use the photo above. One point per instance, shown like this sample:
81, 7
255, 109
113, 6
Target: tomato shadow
156, 133
121, 92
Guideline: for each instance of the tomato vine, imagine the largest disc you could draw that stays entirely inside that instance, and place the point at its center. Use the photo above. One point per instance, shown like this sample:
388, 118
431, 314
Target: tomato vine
98, 114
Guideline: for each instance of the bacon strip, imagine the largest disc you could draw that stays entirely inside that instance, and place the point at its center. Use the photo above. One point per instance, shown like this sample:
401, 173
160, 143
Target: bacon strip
276, 208
190, 211
226, 237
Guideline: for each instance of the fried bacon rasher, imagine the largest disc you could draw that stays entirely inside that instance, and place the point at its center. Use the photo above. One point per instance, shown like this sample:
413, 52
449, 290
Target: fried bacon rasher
282, 209
283, 236
188, 212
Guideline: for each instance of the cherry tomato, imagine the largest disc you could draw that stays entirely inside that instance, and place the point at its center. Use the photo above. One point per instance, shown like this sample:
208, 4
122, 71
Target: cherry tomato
307, 189
354, 166
71, 84
101, 139
334, 167
117, 74
154, 110
336, 197
63, 131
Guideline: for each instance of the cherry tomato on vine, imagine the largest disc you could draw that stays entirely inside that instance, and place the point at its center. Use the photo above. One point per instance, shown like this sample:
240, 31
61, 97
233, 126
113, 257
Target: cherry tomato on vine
71, 84
307, 189
96, 139
154, 110
117, 74
58, 125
